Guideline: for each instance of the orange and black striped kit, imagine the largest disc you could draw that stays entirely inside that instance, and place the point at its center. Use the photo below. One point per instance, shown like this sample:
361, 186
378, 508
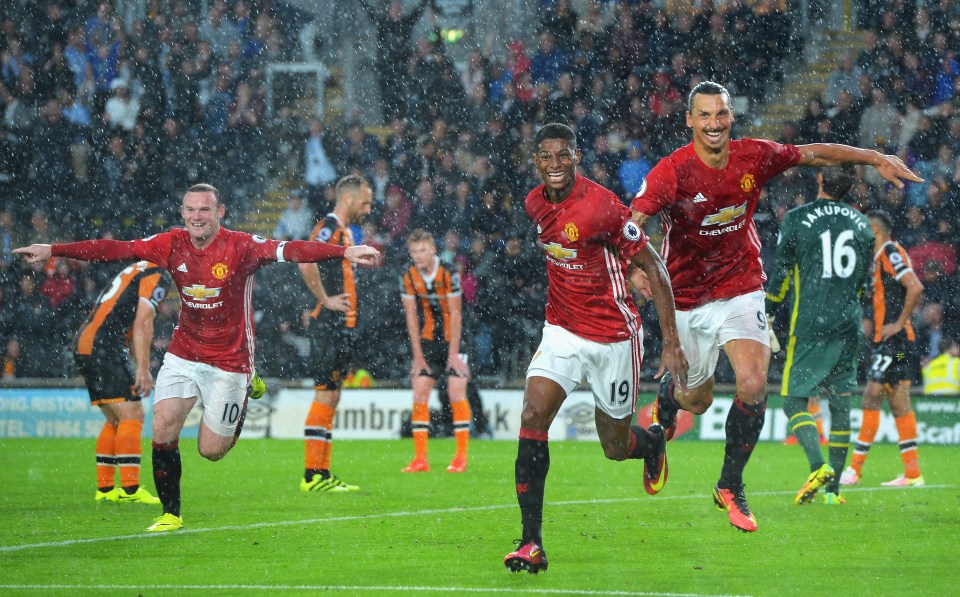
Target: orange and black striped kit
432, 296
337, 276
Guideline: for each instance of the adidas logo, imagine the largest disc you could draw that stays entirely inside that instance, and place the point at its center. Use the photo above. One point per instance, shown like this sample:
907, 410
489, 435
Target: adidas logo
699, 198
182, 268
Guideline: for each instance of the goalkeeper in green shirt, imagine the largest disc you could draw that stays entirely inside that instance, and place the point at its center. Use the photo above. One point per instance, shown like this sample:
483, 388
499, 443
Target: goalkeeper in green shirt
824, 252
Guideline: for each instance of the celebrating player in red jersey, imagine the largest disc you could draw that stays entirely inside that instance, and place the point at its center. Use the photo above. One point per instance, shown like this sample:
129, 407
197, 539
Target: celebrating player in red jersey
592, 329
706, 193
210, 358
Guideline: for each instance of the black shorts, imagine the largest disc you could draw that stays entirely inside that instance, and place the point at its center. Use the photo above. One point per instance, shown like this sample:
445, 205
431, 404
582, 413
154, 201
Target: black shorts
436, 353
893, 361
109, 376
332, 345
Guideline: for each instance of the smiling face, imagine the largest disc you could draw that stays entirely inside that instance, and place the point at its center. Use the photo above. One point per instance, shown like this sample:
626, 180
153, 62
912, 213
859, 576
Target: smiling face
201, 215
556, 160
710, 118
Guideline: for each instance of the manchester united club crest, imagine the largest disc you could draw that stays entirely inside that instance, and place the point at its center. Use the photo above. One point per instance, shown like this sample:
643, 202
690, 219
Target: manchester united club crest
747, 183
219, 270
572, 232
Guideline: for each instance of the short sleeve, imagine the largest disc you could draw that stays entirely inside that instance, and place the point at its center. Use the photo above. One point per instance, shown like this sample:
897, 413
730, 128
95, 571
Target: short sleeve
155, 248
407, 290
899, 260
152, 288
659, 189
615, 225
777, 157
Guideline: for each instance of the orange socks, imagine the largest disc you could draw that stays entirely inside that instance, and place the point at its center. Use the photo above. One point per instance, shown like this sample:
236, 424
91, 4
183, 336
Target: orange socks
461, 425
420, 426
106, 456
129, 451
868, 431
318, 435
907, 430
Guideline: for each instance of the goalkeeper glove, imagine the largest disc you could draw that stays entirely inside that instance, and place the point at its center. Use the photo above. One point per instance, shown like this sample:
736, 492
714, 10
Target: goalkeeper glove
257, 387
774, 343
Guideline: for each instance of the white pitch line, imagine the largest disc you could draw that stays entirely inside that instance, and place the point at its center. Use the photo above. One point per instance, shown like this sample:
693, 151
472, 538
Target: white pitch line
352, 588
401, 514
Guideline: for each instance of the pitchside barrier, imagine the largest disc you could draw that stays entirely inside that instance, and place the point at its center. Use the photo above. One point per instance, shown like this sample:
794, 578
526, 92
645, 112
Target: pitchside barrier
378, 413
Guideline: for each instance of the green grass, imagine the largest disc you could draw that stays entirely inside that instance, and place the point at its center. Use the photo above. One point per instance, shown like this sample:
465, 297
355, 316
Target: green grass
249, 530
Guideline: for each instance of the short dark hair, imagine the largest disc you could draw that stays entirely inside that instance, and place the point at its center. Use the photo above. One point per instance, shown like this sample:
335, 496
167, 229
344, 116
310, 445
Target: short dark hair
555, 130
350, 182
882, 219
706, 88
837, 181
205, 188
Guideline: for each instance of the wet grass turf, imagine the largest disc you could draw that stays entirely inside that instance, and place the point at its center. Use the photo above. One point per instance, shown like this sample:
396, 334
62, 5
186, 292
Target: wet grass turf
249, 530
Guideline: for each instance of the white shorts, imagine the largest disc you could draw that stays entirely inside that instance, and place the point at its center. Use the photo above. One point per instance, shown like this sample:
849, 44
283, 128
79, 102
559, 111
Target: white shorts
705, 329
612, 370
221, 393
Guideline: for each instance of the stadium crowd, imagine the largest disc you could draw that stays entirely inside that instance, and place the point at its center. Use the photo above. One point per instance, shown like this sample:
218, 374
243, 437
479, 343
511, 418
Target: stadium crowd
106, 122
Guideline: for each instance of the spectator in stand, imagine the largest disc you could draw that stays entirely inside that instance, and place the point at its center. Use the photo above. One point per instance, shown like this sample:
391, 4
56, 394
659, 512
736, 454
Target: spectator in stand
395, 220
807, 127
297, 219
393, 52
10, 237
930, 331
11, 359
843, 79
634, 170
845, 118
121, 110
58, 284
51, 138
319, 171
428, 212
358, 151
879, 123
548, 61
561, 21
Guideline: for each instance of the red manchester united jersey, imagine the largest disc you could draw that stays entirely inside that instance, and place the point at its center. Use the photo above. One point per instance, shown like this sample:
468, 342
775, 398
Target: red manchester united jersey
215, 286
710, 242
588, 239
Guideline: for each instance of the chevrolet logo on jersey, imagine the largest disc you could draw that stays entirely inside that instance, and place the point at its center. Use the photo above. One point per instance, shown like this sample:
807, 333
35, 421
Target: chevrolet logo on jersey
200, 293
725, 215
557, 251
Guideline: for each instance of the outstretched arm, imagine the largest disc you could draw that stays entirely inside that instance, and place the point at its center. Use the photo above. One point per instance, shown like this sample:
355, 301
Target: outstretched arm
672, 358
890, 167
85, 250
302, 251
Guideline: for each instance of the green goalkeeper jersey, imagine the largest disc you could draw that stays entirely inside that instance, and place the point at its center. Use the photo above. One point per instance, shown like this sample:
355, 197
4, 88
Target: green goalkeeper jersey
824, 252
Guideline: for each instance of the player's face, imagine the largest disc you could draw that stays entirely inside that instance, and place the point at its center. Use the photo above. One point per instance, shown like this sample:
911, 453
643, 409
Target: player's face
360, 204
710, 118
556, 160
422, 253
201, 215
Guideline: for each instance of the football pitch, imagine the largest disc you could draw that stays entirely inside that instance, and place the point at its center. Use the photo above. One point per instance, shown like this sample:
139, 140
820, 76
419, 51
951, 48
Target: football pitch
248, 529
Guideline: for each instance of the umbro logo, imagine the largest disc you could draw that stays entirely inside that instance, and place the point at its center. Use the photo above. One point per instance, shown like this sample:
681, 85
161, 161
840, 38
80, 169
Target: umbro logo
699, 198
182, 268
